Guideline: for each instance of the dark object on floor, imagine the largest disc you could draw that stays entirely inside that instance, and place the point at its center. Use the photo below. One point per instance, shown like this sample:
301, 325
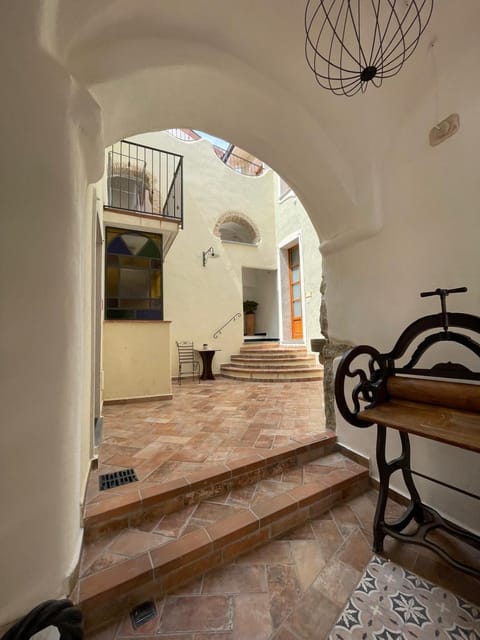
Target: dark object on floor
116, 478
57, 613
142, 614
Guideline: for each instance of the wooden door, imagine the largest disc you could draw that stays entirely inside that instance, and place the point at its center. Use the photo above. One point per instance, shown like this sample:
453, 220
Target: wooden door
295, 292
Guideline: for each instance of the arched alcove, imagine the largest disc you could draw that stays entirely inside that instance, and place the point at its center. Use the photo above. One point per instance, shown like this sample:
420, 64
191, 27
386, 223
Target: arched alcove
237, 227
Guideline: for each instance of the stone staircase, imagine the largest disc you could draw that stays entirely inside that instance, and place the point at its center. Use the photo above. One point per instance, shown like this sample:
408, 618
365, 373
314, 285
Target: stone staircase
149, 541
266, 362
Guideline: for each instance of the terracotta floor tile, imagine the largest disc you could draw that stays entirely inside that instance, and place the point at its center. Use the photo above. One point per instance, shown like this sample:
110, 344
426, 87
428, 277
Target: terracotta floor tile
314, 616
212, 512
235, 579
328, 536
345, 519
241, 496
174, 523
212, 636
336, 581
304, 532
284, 634
309, 560
197, 613
356, 551
284, 590
107, 633
252, 618
103, 561
131, 543
276, 551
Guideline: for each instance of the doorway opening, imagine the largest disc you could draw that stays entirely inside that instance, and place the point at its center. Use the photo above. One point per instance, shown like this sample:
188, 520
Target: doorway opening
260, 285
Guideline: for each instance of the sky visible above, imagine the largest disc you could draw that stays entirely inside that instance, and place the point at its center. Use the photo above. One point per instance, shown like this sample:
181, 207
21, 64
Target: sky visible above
213, 139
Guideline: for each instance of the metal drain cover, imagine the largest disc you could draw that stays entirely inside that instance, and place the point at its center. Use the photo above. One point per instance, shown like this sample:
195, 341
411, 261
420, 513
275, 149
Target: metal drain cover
116, 478
142, 614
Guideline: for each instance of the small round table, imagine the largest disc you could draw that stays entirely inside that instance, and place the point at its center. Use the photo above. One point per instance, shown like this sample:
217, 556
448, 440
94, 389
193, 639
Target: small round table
207, 356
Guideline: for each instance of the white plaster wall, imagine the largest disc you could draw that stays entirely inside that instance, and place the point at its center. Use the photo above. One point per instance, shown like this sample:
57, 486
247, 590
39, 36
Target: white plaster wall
199, 300
51, 131
429, 240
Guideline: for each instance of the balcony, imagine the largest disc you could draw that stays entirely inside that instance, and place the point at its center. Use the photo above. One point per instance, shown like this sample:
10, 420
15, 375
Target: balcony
145, 180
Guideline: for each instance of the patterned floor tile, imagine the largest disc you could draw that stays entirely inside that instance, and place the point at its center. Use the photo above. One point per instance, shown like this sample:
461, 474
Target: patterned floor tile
393, 603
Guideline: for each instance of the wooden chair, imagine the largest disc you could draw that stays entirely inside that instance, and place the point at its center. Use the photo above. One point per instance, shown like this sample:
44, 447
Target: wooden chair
186, 361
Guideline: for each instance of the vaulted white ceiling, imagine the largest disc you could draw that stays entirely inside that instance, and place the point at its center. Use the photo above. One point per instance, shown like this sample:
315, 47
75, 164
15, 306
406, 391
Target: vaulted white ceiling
237, 70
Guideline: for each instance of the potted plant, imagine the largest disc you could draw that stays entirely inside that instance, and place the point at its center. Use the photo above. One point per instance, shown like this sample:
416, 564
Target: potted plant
249, 308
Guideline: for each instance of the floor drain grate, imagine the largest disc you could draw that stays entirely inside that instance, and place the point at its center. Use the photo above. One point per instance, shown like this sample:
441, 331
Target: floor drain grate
117, 478
142, 614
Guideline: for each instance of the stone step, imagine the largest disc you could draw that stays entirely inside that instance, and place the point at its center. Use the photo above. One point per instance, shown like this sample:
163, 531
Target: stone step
280, 374
275, 362
275, 506
138, 505
281, 350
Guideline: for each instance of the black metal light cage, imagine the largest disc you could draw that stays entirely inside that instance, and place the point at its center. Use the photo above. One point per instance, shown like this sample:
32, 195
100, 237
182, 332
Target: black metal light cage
350, 43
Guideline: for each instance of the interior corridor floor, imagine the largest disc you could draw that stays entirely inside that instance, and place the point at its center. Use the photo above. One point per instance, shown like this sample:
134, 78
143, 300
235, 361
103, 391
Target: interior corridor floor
204, 424
292, 588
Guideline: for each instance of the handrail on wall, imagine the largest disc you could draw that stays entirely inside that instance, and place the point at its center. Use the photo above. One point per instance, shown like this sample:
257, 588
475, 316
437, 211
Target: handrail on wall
232, 319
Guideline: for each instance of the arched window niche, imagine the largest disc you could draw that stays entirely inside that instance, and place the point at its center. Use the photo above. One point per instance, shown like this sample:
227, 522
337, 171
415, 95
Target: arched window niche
237, 227
133, 275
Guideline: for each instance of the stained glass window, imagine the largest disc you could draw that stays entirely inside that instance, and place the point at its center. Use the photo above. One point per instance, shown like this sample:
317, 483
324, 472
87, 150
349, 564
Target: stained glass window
133, 275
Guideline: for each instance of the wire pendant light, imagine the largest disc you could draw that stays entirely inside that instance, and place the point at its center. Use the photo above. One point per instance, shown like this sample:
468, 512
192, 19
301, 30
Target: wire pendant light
350, 43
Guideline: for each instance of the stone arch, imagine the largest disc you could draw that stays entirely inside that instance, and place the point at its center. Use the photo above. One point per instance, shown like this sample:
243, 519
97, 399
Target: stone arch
237, 227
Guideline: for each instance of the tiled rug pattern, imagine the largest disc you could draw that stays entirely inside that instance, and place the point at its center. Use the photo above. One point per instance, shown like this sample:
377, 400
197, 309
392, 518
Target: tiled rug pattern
293, 588
204, 424
117, 546
391, 603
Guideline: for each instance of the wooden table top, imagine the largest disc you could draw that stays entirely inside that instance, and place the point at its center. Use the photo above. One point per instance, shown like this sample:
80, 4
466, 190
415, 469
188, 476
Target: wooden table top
452, 426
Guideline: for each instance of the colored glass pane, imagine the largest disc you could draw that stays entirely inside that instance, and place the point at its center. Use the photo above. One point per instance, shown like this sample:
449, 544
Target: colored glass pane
297, 309
117, 245
150, 250
111, 282
134, 261
155, 284
133, 284
294, 255
120, 314
135, 242
295, 274
133, 303
150, 314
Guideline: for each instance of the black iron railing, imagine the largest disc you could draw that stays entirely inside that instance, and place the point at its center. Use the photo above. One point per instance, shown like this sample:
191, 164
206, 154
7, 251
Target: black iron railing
187, 135
145, 180
232, 319
239, 163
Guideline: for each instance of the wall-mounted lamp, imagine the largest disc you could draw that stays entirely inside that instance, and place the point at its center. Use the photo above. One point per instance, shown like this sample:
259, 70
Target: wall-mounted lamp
209, 252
